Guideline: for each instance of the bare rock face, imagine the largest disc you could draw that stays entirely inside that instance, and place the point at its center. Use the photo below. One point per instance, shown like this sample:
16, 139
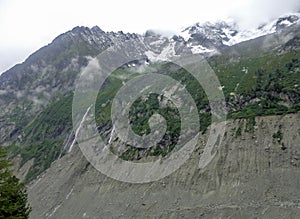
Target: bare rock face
255, 174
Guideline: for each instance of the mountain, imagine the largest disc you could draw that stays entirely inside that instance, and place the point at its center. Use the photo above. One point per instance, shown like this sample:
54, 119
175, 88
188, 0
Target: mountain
50, 73
258, 72
43, 84
207, 37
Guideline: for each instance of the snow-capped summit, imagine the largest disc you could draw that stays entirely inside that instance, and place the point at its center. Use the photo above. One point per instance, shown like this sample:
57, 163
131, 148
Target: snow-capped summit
265, 29
210, 36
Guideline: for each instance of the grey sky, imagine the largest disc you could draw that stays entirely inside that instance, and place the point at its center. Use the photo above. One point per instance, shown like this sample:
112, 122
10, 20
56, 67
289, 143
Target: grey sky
28, 25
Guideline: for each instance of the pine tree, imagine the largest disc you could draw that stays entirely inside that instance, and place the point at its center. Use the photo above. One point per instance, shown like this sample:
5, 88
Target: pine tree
13, 197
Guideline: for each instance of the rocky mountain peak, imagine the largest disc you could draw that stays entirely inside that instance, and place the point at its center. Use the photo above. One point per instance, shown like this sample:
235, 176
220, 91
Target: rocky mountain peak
210, 34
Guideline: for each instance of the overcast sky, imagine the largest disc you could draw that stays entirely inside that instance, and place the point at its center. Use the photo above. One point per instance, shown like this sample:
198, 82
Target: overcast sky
28, 25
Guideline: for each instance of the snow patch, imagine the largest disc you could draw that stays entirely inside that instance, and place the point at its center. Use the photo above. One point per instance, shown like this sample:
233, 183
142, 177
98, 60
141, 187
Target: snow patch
165, 55
200, 49
185, 35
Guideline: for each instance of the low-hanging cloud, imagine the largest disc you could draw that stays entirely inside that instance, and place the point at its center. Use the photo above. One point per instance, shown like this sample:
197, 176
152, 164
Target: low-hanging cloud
252, 13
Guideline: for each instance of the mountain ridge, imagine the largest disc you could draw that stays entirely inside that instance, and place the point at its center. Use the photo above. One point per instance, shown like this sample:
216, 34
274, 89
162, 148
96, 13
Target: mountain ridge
229, 34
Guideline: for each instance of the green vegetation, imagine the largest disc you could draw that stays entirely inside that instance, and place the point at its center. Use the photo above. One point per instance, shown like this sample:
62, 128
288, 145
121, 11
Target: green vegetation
267, 72
13, 197
255, 86
261, 86
44, 137
250, 123
266, 83
144, 107
140, 113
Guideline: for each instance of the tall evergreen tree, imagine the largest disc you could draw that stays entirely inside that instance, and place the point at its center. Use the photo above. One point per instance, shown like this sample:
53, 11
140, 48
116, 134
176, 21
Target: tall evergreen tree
13, 197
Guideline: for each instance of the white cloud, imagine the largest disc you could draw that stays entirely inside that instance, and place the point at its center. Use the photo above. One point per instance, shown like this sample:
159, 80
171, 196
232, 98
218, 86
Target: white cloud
251, 13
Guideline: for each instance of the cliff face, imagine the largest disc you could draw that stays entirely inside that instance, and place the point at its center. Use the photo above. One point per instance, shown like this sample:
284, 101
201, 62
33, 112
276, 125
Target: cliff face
255, 174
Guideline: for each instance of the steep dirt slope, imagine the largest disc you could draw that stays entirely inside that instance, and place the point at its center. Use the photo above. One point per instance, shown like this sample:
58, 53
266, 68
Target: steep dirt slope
254, 175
